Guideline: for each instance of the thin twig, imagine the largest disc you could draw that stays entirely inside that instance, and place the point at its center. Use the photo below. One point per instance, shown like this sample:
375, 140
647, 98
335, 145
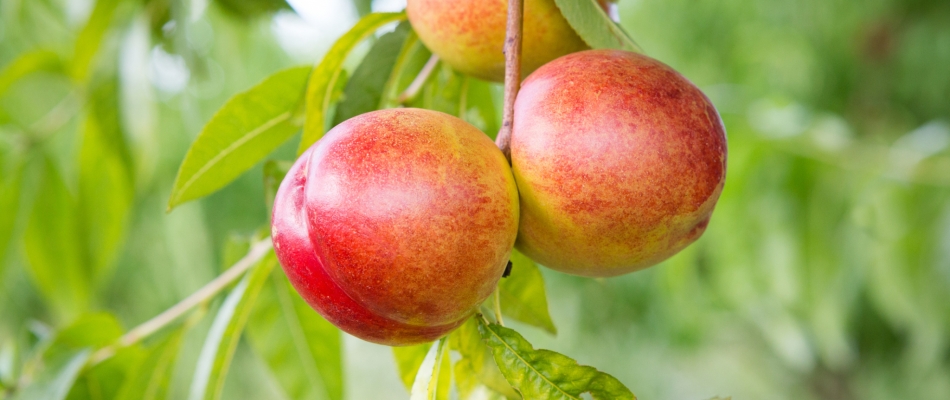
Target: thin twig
257, 252
497, 307
512, 73
413, 90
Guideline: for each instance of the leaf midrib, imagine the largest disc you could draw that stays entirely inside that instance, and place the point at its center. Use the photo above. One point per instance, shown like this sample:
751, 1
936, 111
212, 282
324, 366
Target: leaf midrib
525, 362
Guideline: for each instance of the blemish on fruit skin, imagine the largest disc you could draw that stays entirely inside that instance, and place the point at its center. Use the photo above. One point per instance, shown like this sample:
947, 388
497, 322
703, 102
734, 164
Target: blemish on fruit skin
610, 186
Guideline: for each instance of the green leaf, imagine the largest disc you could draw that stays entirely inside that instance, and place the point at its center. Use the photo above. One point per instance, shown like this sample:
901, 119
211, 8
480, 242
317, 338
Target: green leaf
412, 58
468, 342
480, 107
408, 361
57, 261
10, 185
325, 75
222, 340
433, 380
244, 131
274, 172
104, 380
151, 380
90, 38
89, 331
54, 382
522, 294
302, 349
25, 64
592, 24
105, 184
443, 92
544, 374
364, 90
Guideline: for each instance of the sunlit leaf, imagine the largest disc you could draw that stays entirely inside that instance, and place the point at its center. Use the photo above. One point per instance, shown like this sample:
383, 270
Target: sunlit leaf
222, 340
433, 380
151, 380
244, 131
468, 342
90, 38
253, 8
592, 24
25, 64
522, 294
327, 71
302, 349
54, 247
481, 107
56, 380
364, 90
408, 360
544, 374
10, 185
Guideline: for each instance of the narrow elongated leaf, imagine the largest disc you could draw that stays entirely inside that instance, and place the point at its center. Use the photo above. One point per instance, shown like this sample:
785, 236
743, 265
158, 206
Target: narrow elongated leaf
468, 342
55, 381
412, 57
522, 294
222, 340
434, 376
90, 38
57, 261
150, 381
364, 90
325, 74
592, 24
244, 131
10, 185
544, 374
408, 361
302, 349
25, 64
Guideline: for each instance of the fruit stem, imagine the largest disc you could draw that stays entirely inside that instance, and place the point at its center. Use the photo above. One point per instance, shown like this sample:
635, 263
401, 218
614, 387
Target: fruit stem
497, 306
201, 296
413, 89
512, 73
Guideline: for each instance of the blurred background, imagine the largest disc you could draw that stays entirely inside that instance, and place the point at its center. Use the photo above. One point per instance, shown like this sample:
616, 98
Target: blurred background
825, 273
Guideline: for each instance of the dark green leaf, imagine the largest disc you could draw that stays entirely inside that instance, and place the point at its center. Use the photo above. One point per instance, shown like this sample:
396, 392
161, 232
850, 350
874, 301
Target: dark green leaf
244, 131
25, 64
408, 360
544, 374
57, 261
327, 72
412, 57
150, 381
222, 340
443, 92
90, 38
253, 8
364, 90
522, 294
55, 381
592, 24
302, 349
105, 379
481, 108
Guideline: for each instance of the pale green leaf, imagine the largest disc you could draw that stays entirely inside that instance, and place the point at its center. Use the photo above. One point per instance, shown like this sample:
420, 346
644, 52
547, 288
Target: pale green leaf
522, 294
408, 360
302, 349
468, 342
412, 57
434, 377
246, 129
90, 38
592, 24
274, 172
57, 260
544, 374
222, 340
151, 380
327, 72
10, 185
55, 381
25, 64
364, 90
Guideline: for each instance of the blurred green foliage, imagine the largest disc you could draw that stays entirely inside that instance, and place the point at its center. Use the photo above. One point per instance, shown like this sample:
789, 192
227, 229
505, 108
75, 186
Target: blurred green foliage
825, 273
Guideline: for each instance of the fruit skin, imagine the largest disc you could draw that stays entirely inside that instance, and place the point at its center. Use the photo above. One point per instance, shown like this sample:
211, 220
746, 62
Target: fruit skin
619, 160
397, 224
470, 34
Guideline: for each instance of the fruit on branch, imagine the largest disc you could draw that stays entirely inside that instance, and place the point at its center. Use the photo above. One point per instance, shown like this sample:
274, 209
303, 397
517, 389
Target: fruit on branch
619, 161
397, 224
470, 34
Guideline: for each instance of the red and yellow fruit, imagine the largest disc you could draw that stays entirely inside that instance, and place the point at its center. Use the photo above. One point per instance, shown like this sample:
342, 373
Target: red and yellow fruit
619, 161
397, 224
